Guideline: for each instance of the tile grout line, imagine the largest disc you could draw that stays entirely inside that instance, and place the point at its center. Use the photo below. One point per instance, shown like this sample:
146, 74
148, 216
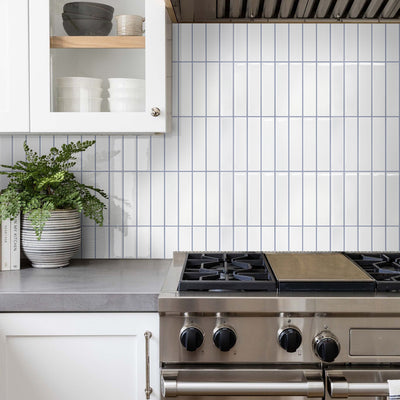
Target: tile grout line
191, 143
275, 196
330, 138
247, 138
151, 198
109, 196
291, 62
233, 136
386, 176
302, 138
281, 116
205, 140
289, 138
372, 141
123, 197
137, 198
178, 145
251, 225
308, 171
344, 140
261, 135
316, 136
219, 137
358, 137
95, 185
81, 167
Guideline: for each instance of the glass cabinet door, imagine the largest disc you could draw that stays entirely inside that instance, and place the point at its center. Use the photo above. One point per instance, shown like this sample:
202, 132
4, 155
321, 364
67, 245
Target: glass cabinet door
89, 76
14, 70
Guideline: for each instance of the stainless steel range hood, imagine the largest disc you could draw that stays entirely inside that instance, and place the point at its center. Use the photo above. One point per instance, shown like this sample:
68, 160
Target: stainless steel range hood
289, 11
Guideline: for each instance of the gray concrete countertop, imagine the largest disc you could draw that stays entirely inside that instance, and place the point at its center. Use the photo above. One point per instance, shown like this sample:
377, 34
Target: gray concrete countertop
85, 286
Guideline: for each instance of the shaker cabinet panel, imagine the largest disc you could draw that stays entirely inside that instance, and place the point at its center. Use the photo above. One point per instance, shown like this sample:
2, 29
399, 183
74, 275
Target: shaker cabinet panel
77, 356
138, 104
14, 68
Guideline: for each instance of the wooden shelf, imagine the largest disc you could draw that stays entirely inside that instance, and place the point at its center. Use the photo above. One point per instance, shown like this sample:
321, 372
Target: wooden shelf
97, 42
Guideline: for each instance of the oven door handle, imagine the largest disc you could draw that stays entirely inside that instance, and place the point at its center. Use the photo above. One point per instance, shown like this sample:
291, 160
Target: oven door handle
340, 387
174, 387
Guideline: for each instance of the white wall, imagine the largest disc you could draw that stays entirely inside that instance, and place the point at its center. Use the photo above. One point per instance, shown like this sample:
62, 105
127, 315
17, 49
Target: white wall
286, 137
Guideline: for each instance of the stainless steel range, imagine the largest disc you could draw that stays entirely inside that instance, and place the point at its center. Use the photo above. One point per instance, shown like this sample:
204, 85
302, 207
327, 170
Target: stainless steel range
280, 325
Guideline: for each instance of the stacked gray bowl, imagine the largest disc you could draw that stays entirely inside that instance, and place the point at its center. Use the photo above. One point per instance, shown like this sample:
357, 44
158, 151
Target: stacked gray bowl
82, 18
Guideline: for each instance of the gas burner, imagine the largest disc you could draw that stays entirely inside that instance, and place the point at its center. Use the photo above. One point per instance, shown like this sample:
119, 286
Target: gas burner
383, 267
226, 272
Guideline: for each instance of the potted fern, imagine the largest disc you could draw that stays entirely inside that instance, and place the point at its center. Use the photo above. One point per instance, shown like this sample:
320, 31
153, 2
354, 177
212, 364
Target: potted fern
50, 199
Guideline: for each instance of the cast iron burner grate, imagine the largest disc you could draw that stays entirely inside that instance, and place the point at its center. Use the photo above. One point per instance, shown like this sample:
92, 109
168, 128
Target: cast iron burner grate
383, 267
227, 272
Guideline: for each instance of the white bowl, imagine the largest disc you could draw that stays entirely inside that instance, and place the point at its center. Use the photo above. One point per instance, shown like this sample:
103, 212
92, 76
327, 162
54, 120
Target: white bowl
126, 105
79, 105
76, 81
126, 83
127, 92
80, 92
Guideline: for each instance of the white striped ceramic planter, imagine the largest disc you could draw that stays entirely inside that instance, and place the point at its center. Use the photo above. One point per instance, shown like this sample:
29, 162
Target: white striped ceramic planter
61, 239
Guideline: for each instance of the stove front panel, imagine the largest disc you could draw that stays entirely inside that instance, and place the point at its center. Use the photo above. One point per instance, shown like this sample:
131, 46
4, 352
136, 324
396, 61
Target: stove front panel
257, 338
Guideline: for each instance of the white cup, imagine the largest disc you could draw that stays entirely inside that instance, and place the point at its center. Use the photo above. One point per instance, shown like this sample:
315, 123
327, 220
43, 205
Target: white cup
129, 25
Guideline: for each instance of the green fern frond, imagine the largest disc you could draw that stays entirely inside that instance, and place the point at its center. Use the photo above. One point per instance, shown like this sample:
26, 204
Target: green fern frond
44, 183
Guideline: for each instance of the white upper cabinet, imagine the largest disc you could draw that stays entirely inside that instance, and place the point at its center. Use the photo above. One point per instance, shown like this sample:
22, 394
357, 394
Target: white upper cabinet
46, 53
14, 69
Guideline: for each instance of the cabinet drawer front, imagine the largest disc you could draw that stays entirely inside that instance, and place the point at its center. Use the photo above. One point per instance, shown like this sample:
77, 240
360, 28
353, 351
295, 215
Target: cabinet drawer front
73, 356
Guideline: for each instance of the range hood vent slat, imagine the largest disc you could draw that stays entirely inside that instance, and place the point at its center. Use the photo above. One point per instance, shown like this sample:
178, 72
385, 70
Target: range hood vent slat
270, 8
286, 10
341, 9
356, 8
252, 8
221, 8
304, 8
322, 9
236, 7
373, 8
391, 9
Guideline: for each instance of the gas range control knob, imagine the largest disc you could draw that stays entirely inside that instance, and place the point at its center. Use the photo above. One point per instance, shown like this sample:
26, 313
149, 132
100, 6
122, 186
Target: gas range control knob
224, 338
289, 339
326, 346
191, 338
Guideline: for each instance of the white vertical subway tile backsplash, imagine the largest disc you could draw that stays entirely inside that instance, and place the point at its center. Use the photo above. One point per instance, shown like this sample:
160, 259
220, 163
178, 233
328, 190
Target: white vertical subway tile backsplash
285, 137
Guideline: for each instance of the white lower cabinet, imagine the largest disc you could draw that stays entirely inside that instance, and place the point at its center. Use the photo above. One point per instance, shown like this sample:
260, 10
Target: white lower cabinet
78, 356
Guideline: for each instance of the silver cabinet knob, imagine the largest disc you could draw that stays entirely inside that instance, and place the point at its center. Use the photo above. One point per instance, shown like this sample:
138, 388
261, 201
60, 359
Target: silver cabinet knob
155, 112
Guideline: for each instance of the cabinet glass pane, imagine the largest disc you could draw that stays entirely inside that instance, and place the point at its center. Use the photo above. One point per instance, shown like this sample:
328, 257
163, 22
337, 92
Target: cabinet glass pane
90, 55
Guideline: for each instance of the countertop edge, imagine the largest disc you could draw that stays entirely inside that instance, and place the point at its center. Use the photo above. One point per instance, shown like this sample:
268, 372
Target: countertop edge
77, 302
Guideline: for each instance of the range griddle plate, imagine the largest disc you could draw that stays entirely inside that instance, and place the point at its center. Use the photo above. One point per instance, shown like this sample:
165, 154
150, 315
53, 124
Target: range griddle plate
318, 272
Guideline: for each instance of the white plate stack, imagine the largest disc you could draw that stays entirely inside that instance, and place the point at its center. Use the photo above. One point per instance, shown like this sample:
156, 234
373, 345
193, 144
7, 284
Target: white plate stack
126, 95
78, 94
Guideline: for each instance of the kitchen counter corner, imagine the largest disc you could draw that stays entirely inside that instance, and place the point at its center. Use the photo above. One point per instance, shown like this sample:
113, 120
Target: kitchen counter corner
85, 286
